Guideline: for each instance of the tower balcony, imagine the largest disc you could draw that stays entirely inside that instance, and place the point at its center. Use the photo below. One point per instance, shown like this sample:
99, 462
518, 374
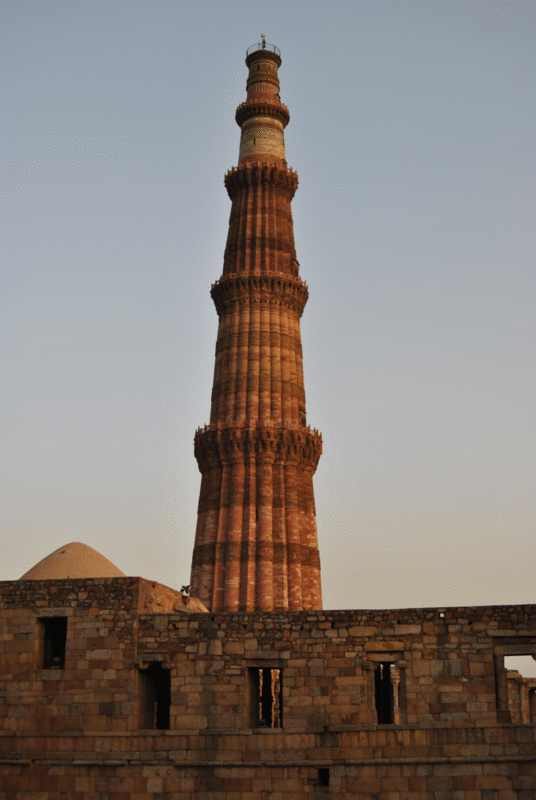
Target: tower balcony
263, 46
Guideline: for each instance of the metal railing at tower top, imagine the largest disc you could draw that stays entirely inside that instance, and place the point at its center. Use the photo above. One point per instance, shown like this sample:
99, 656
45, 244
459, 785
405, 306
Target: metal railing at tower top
263, 46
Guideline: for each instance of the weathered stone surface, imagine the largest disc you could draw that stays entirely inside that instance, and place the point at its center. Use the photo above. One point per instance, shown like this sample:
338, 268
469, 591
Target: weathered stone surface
76, 730
389, 646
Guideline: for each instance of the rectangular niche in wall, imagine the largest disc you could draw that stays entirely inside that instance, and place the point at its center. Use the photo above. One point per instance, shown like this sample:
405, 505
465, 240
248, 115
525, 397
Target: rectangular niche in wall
154, 697
54, 638
384, 693
323, 776
265, 697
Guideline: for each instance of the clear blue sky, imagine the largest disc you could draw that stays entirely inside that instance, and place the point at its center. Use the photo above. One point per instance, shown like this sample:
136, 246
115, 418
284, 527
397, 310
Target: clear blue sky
413, 133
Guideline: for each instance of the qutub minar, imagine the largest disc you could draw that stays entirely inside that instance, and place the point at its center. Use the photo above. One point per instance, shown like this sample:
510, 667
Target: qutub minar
256, 543
118, 688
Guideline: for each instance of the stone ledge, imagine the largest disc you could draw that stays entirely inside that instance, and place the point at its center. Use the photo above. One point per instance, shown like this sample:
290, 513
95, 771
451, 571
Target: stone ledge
65, 762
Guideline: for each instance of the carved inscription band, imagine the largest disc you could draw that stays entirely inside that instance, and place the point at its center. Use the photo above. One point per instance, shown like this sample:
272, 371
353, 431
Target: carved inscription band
255, 552
255, 338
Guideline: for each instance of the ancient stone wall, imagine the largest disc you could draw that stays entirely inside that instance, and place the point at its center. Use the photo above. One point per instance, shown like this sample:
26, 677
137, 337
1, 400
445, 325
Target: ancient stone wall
390, 705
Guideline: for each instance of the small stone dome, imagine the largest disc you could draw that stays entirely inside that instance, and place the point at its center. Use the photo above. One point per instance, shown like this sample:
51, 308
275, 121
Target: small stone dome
74, 560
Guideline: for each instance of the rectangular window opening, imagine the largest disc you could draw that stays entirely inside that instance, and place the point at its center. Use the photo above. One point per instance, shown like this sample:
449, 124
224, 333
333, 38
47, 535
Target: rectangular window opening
54, 641
521, 688
154, 697
265, 697
323, 776
384, 693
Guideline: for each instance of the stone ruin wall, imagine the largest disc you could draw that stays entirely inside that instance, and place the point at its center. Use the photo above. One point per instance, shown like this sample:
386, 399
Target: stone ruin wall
74, 733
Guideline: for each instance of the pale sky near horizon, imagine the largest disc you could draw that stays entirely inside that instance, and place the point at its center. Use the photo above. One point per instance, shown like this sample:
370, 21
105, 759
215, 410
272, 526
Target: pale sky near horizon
413, 134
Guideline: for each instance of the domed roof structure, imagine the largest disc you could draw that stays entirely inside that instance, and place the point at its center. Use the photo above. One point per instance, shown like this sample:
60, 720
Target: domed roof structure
74, 560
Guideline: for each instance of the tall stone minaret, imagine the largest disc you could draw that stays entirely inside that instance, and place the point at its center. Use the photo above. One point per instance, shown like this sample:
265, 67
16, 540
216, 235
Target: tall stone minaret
256, 544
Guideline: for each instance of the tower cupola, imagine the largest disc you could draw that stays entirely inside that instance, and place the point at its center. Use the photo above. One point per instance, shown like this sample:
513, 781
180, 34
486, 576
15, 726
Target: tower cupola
262, 117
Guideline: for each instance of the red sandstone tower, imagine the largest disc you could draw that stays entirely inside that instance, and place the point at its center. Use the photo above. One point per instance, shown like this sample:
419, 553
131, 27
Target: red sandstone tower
256, 544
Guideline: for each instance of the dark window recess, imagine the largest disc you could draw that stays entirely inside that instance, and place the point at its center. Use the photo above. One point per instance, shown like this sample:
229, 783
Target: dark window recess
266, 697
155, 697
383, 693
54, 639
532, 706
323, 776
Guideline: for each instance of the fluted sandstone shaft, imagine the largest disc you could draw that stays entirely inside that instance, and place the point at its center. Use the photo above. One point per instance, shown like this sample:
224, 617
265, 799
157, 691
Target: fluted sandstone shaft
256, 543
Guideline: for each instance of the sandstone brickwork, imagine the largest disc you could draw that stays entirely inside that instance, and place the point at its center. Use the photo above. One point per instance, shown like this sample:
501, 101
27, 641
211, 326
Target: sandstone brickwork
73, 732
256, 543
